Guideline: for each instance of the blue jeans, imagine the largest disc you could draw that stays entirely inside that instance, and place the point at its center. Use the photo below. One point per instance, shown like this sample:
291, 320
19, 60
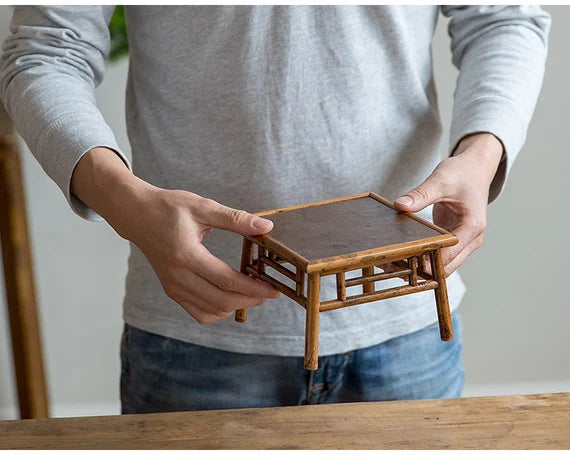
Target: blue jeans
162, 374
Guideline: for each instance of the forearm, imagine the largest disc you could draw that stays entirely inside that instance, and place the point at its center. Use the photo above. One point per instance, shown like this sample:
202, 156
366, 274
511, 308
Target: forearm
500, 51
102, 181
168, 227
51, 64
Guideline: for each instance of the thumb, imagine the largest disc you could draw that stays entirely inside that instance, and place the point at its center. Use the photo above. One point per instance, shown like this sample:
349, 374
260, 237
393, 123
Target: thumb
427, 193
239, 221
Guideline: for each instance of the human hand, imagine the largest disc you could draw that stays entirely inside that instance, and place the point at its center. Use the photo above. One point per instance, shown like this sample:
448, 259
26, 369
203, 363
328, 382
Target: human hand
459, 190
175, 223
168, 226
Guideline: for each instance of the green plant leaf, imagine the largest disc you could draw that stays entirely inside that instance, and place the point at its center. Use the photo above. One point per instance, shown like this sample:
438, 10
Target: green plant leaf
118, 31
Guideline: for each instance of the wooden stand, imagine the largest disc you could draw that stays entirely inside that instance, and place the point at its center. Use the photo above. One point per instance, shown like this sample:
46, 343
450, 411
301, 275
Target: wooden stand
340, 235
18, 272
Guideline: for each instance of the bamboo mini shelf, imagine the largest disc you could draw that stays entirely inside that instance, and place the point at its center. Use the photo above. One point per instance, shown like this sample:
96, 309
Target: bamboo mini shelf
340, 235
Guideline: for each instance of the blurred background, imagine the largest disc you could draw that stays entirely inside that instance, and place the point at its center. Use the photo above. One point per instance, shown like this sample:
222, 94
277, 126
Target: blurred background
516, 312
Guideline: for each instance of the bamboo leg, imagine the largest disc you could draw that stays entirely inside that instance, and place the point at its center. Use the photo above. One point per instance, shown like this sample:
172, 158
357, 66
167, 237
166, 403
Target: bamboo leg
340, 286
260, 264
368, 287
299, 282
312, 322
413, 277
246, 259
421, 268
442, 303
20, 292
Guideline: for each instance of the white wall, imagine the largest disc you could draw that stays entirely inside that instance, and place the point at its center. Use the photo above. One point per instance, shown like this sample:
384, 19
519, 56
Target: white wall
516, 312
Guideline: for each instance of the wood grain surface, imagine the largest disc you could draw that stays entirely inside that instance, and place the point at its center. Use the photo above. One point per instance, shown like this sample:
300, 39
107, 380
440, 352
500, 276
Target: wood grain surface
345, 227
513, 422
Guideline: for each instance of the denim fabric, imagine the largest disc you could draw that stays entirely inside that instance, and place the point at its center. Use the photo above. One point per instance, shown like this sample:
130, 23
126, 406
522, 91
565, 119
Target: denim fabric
162, 374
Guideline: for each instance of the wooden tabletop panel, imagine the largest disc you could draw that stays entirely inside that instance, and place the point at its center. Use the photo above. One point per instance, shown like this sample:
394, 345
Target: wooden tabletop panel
514, 422
340, 228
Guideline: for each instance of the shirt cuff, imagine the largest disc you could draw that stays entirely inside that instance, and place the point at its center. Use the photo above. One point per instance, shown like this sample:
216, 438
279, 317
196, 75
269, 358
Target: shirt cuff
65, 142
499, 118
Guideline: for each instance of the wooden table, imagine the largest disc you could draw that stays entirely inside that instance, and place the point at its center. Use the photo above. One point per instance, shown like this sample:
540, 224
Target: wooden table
511, 422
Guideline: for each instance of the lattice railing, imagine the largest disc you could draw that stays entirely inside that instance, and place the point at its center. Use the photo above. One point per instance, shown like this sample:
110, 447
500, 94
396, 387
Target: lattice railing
411, 270
257, 269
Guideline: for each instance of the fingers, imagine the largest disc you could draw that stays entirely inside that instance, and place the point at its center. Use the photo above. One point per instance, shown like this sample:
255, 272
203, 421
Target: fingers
201, 316
452, 259
460, 207
432, 190
226, 278
206, 302
205, 286
214, 303
218, 301
469, 232
390, 267
454, 264
212, 213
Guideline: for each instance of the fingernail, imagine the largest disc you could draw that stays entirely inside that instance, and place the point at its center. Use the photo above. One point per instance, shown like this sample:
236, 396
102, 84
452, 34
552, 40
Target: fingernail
262, 223
405, 200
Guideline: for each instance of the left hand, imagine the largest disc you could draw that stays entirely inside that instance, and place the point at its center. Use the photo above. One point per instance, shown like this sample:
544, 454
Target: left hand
459, 190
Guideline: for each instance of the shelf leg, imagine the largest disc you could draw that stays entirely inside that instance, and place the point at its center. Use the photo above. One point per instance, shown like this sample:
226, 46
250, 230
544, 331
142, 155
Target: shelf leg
312, 322
246, 259
441, 300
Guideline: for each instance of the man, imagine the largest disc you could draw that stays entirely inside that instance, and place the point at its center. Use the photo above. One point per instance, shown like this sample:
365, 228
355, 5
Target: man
233, 110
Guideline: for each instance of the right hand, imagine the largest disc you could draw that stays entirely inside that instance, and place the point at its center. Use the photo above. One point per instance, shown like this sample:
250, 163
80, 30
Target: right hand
170, 236
168, 226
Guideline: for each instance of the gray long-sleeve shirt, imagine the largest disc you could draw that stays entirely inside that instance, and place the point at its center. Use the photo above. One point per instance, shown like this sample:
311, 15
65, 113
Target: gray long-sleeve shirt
260, 107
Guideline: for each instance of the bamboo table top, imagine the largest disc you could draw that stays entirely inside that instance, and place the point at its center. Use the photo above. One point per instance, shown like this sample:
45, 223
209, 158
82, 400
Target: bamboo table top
342, 228
506, 422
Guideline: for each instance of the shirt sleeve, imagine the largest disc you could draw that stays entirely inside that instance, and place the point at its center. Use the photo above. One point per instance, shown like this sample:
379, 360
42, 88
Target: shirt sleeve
49, 69
500, 52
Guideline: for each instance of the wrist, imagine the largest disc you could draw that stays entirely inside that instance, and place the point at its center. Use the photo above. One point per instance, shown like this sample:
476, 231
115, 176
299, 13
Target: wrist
128, 203
483, 148
103, 182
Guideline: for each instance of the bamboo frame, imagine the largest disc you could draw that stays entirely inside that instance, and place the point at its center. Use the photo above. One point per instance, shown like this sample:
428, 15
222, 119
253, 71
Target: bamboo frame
377, 295
407, 257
